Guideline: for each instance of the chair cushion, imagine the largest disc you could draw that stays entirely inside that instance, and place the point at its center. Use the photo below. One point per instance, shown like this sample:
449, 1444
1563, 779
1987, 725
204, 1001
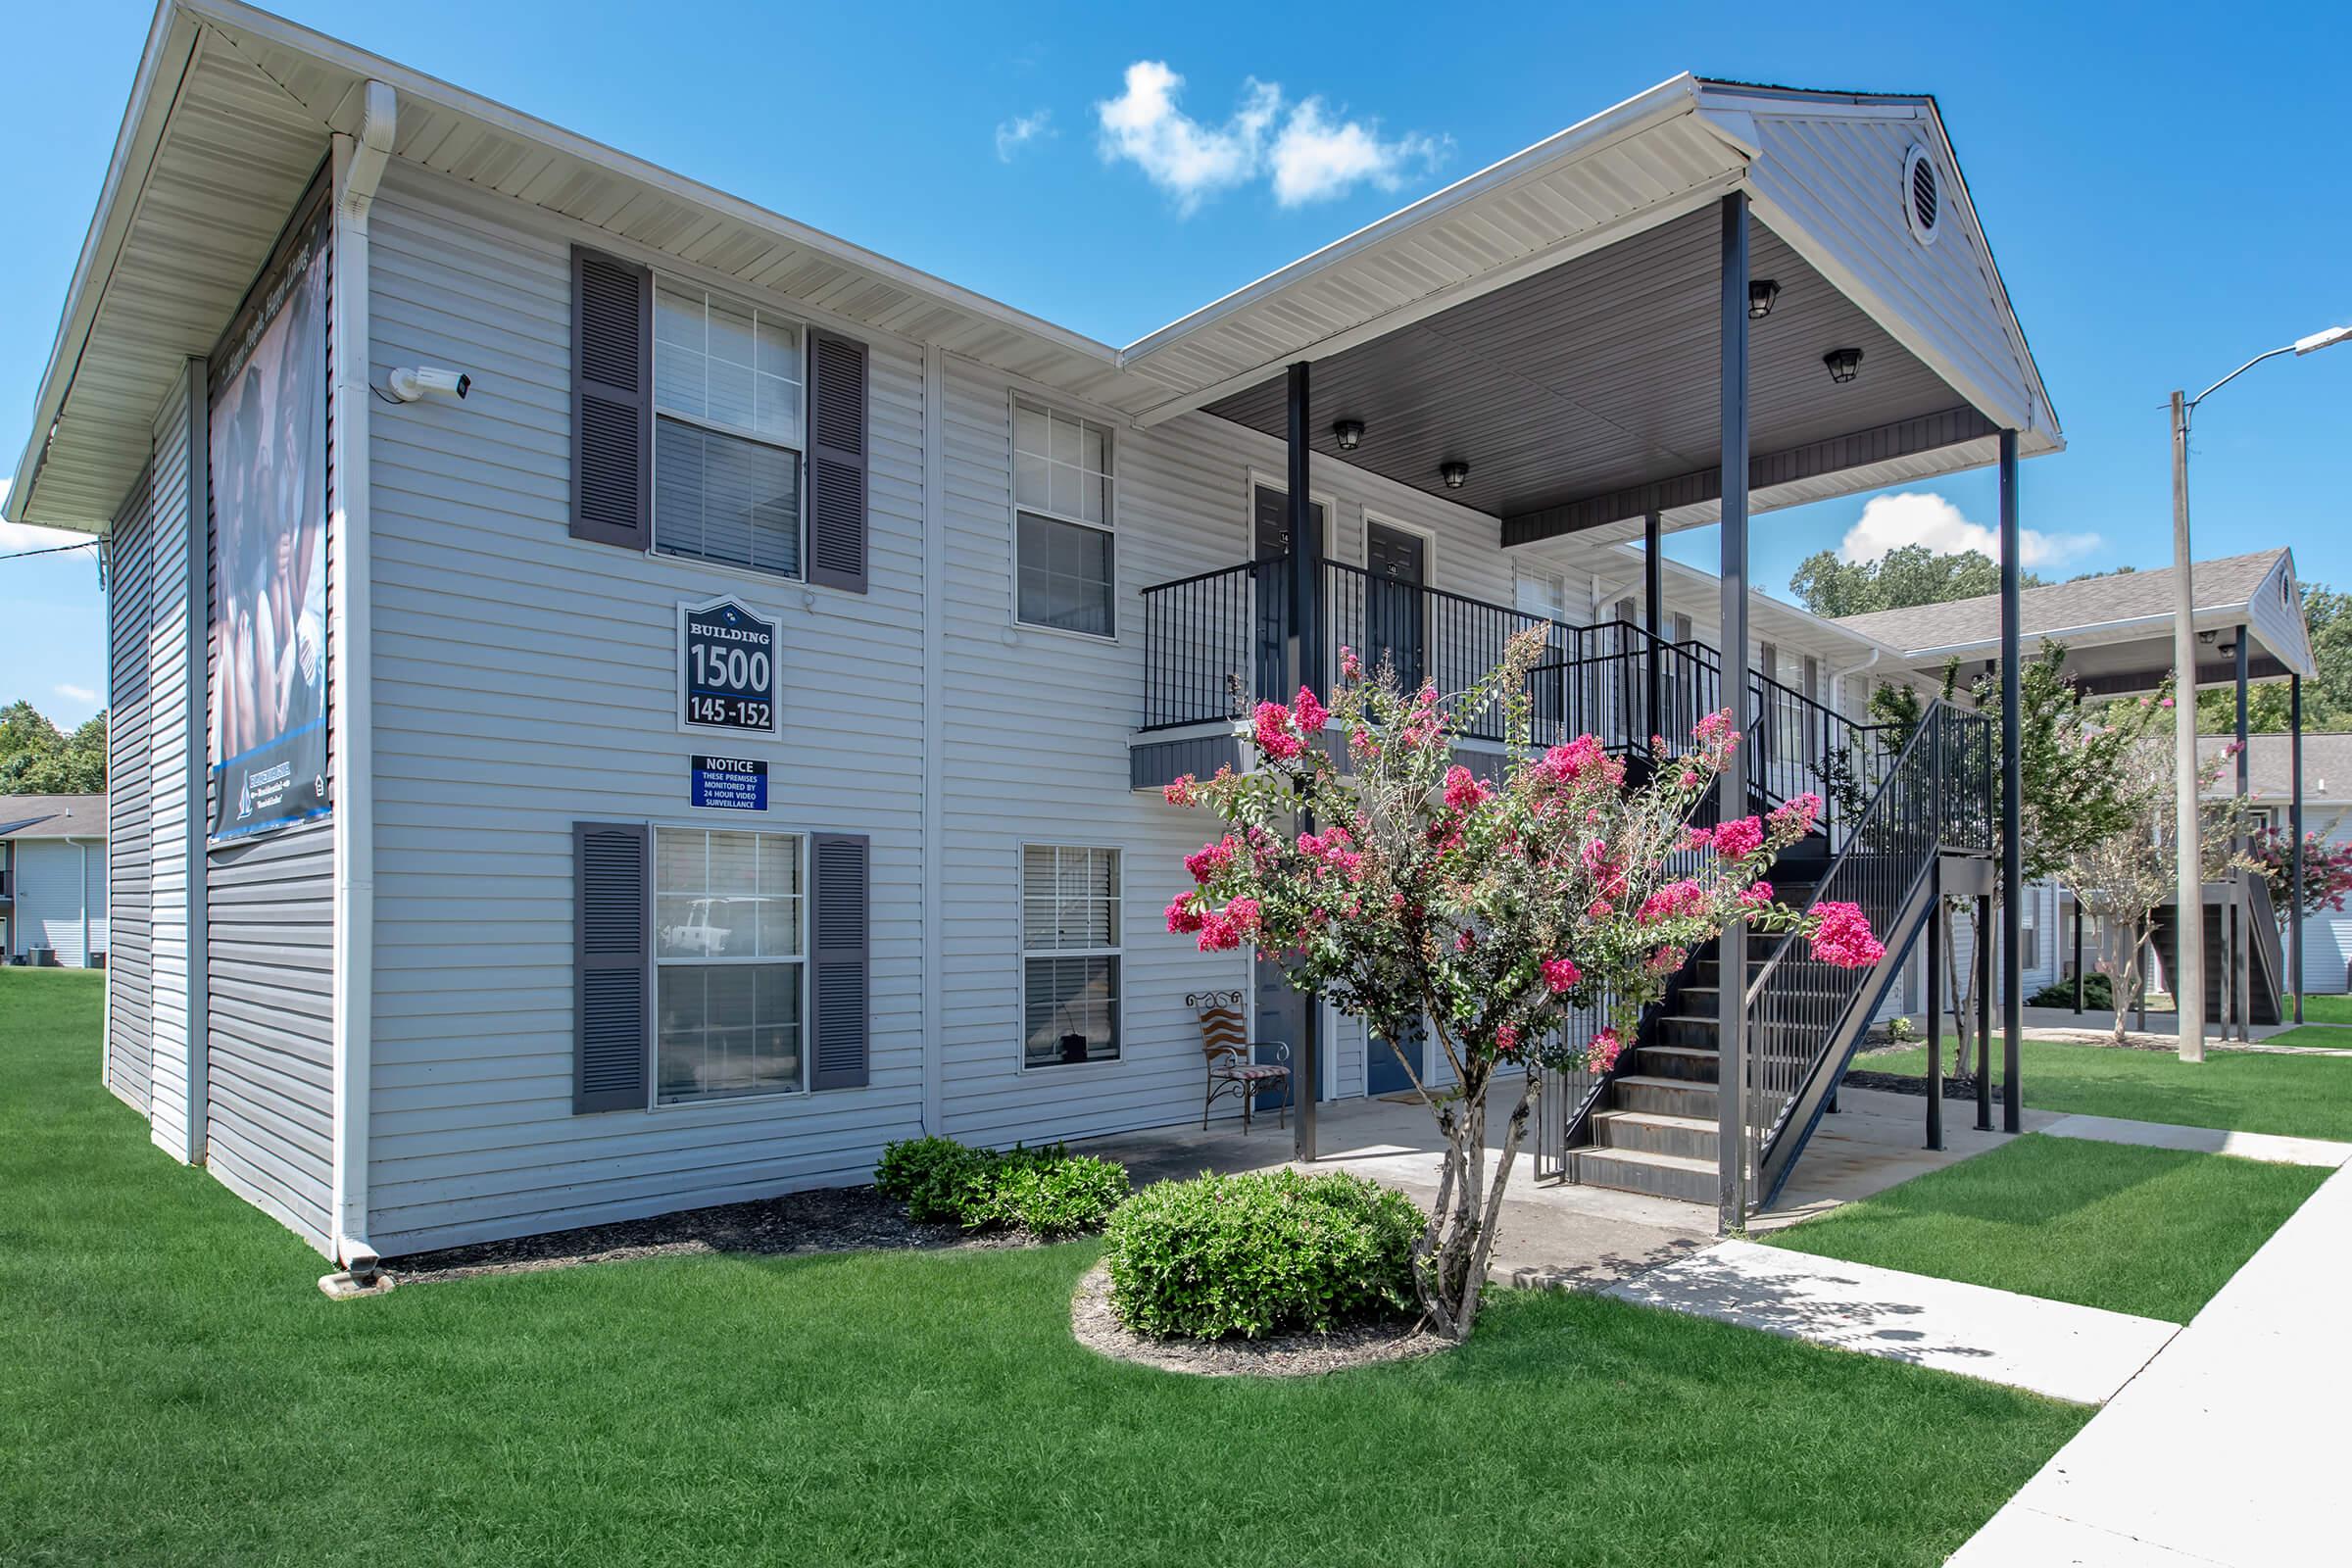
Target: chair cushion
1252, 1071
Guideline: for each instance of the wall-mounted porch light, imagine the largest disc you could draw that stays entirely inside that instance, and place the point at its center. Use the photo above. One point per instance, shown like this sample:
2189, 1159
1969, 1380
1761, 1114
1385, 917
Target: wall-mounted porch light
1761, 292
1348, 433
1455, 473
1844, 365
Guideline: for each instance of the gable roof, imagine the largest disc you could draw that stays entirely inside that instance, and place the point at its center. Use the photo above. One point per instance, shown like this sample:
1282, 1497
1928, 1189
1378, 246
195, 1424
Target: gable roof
2082, 610
233, 109
2270, 768
52, 817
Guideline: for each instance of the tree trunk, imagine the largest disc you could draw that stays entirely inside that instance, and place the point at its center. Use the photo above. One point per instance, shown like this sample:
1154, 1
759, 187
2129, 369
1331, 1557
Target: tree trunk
1452, 1258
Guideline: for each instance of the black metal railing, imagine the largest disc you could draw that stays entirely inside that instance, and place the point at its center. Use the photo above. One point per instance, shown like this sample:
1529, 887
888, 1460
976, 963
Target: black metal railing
1935, 796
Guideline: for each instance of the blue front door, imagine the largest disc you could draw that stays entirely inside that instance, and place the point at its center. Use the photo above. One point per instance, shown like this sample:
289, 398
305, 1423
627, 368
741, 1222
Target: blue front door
1384, 1067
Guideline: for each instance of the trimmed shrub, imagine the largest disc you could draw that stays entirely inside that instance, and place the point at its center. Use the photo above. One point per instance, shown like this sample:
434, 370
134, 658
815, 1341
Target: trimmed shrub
1265, 1252
1048, 1192
2097, 992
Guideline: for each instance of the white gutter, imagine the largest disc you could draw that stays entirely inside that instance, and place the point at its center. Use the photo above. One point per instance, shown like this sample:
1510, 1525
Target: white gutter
358, 164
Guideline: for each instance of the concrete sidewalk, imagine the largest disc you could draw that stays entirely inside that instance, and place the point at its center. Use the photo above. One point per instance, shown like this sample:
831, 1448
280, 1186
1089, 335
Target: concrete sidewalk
2057, 1349
2228, 1448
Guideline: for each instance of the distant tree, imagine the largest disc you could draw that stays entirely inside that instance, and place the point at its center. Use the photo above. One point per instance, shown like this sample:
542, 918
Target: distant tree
36, 757
1911, 574
2327, 699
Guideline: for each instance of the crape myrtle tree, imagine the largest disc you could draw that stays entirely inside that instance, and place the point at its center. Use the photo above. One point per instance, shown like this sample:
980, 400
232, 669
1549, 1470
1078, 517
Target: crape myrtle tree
2326, 872
2125, 877
1400, 887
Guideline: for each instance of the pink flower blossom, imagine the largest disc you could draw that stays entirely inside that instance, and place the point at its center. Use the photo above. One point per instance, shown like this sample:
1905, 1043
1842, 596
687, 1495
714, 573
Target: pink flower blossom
1245, 916
1757, 897
1362, 746
2168, 702
1463, 789
1183, 791
1207, 860
1600, 910
1559, 974
1800, 811
1183, 913
1739, 839
1581, 759
1674, 898
1309, 712
1595, 854
1841, 936
1463, 941
1689, 779
1217, 934
1274, 734
1666, 960
1713, 727
1601, 1054
1506, 1037
1696, 838
1350, 667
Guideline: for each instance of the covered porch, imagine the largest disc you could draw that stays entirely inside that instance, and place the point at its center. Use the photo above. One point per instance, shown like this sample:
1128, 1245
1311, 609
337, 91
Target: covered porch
1710, 301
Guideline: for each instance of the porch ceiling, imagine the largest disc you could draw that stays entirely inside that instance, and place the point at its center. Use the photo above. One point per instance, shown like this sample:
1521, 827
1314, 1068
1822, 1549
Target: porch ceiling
1573, 392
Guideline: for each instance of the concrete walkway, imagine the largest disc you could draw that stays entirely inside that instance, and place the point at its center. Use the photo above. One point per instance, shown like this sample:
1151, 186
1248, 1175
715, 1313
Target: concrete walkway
2274, 1147
2229, 1447
2050, 1347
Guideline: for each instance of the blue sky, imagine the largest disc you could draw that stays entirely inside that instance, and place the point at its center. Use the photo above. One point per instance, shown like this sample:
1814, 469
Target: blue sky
2162, 186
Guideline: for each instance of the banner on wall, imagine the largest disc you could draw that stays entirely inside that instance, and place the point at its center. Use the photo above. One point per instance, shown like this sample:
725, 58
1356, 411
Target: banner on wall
268, 614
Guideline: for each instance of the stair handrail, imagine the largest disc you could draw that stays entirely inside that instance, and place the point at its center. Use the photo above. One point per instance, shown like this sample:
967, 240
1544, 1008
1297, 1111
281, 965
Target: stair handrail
1923, 822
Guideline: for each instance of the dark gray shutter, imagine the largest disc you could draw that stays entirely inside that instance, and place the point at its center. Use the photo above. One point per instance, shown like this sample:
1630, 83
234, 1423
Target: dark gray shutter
837, 449
611, 400
608, 952
842, 948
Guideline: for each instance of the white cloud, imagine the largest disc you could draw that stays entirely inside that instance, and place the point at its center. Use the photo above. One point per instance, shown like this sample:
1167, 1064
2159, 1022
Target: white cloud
77, 693
1311, 158
1924, 517
1020, 131
1315, 158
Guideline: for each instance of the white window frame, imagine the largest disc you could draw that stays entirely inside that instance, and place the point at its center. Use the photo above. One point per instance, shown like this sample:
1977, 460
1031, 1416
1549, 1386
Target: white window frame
800, 324
1022, 952
654, 963
1110, 509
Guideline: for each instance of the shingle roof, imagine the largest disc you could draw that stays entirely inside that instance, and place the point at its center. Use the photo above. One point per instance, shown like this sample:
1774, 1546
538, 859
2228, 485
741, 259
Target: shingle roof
2327, 765
2062, 606
52, 817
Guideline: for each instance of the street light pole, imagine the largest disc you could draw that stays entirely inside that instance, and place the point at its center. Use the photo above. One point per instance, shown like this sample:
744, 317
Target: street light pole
2188, 907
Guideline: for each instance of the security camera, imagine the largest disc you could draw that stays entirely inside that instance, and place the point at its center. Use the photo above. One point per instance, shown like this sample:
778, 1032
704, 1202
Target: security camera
409, 383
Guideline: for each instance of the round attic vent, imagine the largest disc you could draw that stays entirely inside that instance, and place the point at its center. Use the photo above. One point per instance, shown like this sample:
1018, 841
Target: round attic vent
1923, 196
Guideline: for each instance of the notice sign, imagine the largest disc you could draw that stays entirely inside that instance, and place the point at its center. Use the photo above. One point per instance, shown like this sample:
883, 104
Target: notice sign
730, 783
726, 670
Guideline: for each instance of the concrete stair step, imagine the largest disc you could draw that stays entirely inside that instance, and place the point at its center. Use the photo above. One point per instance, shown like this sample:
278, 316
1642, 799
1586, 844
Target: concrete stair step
1664, 1095
1634, 1170
1653, 1133
1689, 1063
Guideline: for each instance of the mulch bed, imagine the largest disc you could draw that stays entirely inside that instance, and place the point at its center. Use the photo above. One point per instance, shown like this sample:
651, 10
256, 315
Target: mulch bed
846, 1219
1284, 1355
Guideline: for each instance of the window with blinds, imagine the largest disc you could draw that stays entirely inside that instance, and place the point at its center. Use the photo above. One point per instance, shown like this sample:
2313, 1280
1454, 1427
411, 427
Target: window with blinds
1070, 952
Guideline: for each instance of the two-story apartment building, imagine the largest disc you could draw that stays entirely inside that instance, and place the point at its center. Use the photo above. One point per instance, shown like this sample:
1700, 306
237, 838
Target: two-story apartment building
638, 702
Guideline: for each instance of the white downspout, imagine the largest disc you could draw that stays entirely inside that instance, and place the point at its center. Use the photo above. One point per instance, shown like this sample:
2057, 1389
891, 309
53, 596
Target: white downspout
359, 166
1838, 679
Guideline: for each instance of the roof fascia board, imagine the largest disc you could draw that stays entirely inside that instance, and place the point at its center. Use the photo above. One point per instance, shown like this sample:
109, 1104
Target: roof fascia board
1677, 95
163, 64
234, 18
2096, 633
1439, 301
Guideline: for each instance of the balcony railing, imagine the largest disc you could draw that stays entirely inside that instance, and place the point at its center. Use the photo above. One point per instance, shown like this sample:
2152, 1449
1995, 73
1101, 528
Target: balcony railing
1215, 645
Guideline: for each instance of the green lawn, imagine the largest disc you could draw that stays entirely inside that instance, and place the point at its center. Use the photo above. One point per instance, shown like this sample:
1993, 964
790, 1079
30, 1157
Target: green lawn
2153, 1232
2332, 1010
2246, 1092
178, 1392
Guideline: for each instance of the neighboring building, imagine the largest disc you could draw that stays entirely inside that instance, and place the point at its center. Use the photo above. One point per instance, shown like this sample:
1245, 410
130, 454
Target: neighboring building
2117, 630
2327, 812
729, 735
53, 879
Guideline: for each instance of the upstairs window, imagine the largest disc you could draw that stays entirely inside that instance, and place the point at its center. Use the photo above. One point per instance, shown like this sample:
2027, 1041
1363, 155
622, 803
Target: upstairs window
729, 395
1064, 574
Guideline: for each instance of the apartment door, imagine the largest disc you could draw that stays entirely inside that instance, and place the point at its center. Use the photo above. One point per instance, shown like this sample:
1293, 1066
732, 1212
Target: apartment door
1384, 1066
1270, 542
1397, 564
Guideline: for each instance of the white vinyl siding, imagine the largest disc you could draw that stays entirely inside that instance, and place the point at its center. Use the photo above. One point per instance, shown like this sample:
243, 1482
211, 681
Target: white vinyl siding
479, 781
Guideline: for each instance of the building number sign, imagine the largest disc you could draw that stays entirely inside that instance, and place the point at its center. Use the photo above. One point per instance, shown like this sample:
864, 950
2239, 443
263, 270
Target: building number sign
726, 670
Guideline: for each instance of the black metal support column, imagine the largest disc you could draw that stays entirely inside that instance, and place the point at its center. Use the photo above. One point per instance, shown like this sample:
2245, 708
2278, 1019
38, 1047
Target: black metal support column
1937, 916
1653, 612
2013, 1017
2078, 903
2242, 961
1983, 1019
1306, 669
2294, 829
1730, 1018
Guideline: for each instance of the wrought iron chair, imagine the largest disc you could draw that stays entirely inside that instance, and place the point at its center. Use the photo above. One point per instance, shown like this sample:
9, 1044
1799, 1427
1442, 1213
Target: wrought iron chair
1233, 1067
